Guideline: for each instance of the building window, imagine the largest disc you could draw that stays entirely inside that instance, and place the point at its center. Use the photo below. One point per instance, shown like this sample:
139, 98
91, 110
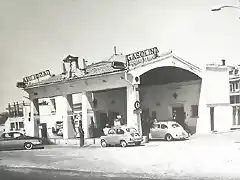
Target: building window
17, 127
20, 113
21, 125
232, 100
194, 110
236, 71
53, 106
12, 126
231, 87
234, 115
236, 85
154, 114
237, 99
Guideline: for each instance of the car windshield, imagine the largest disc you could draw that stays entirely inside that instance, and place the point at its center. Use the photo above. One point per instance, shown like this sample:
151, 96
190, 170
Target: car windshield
132, 130
175, 125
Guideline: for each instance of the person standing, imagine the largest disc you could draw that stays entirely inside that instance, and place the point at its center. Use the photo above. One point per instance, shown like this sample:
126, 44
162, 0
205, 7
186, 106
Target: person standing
106, 129
81, 134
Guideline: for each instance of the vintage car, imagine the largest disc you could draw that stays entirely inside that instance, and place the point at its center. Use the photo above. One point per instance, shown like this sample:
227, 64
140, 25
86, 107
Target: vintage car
168, 130
17, 140
121, 135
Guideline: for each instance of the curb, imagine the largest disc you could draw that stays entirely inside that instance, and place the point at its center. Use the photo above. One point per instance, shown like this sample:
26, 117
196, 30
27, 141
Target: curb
69, 146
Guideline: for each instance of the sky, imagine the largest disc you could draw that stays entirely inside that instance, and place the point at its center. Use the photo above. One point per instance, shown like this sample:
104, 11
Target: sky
35, 35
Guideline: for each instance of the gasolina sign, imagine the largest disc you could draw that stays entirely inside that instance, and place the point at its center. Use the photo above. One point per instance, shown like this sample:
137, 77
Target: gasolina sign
141, 57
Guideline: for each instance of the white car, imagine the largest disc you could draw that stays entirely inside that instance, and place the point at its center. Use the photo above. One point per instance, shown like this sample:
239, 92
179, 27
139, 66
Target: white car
168, 130
121, 135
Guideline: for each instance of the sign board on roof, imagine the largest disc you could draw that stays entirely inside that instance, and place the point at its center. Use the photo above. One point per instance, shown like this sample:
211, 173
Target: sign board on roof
141, 57
36, 76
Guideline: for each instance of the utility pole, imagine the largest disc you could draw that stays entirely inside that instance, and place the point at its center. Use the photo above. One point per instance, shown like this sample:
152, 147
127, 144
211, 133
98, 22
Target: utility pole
115, 50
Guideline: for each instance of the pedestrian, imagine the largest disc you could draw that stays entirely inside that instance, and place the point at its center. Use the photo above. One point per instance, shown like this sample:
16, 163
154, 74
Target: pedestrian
81, 134
106, 129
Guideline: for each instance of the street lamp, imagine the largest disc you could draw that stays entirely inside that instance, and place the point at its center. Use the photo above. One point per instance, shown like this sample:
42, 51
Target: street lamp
222, 7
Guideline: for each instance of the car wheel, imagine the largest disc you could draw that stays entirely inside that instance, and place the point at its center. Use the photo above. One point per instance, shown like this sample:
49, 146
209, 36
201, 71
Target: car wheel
123, 143
103, 143
138, 143
168, 137
28, 146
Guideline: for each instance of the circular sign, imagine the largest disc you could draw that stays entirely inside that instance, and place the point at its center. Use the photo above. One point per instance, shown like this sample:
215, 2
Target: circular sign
137, 105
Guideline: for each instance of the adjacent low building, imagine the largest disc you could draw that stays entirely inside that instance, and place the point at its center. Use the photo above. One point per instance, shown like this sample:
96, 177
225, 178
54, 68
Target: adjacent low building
140, 85
234, 82
18, 115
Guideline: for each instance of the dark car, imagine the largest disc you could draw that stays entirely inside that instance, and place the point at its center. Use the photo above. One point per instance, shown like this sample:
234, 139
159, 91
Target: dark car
17, 140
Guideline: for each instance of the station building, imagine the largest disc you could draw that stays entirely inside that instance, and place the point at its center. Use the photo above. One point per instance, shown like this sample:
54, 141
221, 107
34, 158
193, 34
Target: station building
146, 82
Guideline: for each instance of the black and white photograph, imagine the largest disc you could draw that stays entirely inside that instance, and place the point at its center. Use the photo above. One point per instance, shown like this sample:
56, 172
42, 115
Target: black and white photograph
119, 89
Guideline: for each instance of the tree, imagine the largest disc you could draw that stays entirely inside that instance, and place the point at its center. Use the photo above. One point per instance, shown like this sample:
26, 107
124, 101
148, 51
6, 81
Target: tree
3, 117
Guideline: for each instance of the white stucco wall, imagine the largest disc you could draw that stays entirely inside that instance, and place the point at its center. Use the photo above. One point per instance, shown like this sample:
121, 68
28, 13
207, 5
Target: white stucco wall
214, 93
27, 123
13, 120
160, 99
91, 84
223, 122
217, 85
50, 119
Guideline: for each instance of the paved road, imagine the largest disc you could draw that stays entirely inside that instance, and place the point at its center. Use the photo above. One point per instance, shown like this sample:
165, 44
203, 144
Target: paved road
7, 173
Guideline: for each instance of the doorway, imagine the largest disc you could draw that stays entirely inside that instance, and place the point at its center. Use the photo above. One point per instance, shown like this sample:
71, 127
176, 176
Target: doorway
145, 114
44, 130
178, 115
212, 118
103, 120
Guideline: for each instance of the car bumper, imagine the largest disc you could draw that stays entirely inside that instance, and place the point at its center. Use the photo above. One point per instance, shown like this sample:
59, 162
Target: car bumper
38, 145
181, 137
134, 141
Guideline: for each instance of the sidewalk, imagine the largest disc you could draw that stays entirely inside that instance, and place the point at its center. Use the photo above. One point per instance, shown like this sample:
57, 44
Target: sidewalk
74, 142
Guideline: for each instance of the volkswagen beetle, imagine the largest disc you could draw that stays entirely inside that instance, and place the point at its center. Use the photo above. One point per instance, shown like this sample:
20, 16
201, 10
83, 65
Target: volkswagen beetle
168, 130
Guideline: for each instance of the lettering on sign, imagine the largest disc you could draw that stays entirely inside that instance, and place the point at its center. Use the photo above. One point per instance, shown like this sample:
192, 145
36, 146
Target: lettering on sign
36, 76
141, 57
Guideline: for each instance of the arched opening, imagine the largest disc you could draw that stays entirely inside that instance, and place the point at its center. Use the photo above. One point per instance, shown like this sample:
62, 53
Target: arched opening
170, 93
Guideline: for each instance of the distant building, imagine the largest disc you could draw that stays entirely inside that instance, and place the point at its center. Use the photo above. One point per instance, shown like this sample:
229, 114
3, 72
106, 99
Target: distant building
234, 82
18, 114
